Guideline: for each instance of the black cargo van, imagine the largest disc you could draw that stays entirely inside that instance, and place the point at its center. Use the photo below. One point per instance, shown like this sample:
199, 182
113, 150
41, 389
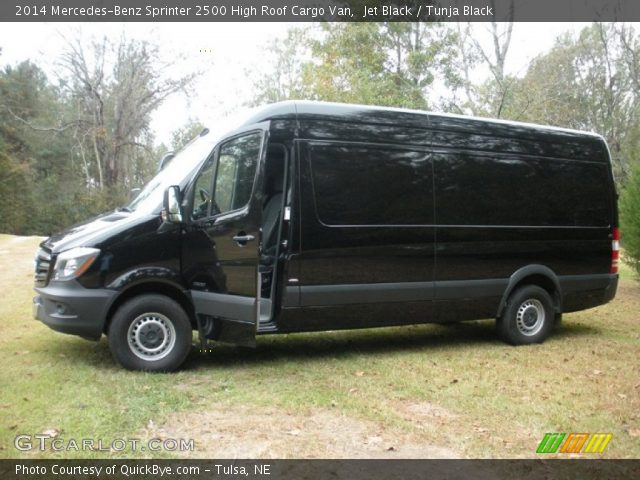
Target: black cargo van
316, 216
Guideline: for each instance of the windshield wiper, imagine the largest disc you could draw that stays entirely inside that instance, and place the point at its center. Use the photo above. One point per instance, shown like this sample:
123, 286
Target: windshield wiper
124, 209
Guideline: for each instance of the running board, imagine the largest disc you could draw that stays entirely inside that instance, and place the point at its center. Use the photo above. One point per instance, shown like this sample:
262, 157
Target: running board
265, 310
266, 325
269, 327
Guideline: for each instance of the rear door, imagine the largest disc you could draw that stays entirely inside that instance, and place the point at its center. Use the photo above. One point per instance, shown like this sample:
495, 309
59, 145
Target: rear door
221, 244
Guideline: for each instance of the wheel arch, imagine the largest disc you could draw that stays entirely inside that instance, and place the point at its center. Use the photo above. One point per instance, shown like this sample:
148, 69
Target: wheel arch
539, 275
157, 287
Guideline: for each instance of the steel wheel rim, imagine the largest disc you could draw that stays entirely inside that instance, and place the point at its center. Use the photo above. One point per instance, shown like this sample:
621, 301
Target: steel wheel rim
151, 336
530, 317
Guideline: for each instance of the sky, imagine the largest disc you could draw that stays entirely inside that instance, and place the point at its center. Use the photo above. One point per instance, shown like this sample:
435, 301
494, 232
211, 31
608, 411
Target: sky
228, 54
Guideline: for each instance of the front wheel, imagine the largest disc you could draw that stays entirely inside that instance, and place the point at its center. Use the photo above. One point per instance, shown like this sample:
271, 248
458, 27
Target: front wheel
150, 332
528, 316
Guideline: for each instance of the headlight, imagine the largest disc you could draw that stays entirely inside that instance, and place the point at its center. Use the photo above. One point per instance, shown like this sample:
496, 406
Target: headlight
74, 262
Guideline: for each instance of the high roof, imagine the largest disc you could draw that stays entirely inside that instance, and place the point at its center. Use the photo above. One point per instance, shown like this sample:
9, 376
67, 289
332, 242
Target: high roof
398, 116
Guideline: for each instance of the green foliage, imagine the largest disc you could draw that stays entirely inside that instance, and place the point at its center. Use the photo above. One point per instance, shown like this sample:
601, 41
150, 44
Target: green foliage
14, 195
185, 134
284, 80
392, 64
71, 150
588, 83
57, 207
630, 220
41, 177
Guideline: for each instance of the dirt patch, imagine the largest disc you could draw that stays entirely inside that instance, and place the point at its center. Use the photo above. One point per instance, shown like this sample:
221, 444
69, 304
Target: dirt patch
16, 256
15, 239
240, 432
16, 262
424, 411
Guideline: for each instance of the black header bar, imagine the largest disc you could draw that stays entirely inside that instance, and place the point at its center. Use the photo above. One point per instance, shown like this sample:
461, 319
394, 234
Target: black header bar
550, 469
318, 10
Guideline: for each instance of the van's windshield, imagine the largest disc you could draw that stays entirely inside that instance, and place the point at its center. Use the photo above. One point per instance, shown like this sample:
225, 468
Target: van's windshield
187, 161
181, 167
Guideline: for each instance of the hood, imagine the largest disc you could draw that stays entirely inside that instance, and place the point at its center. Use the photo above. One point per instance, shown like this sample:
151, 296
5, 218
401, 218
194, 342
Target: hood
93, 232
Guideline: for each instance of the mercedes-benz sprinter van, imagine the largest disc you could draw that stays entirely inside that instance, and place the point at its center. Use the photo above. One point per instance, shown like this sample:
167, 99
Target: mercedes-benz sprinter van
316, 216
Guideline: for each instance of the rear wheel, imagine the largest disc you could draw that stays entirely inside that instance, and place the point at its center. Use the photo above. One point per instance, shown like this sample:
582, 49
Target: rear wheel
150, 332
528, 316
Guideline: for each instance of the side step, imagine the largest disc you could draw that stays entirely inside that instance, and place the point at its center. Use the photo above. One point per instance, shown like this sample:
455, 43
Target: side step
265, 310
266, 325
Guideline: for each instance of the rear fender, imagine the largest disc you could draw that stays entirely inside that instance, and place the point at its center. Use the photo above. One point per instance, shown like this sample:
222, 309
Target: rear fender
532, 271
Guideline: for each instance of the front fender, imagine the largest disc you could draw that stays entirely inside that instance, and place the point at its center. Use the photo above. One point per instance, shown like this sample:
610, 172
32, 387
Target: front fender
146, 274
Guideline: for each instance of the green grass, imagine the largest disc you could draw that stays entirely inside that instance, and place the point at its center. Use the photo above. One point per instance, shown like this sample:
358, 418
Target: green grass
500, 399
626, 272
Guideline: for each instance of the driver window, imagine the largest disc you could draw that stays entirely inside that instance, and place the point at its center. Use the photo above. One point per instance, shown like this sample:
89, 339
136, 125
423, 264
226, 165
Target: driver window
236, 171
202, 191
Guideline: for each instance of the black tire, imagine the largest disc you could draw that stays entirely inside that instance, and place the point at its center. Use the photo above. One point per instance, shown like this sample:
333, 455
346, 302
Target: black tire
151, 333
528, 316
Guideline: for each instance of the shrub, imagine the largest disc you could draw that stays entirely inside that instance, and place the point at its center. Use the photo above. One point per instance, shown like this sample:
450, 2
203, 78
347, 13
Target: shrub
630, 219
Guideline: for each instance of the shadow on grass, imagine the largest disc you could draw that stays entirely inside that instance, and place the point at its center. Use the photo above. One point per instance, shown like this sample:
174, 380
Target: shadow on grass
312, 347
318, 346
568, 330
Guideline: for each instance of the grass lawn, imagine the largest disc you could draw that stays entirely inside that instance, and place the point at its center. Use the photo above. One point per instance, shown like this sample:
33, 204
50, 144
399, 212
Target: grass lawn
456, 389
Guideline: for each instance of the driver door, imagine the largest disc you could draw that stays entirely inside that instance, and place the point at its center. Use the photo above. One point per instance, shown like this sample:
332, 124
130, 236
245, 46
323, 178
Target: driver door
221, 243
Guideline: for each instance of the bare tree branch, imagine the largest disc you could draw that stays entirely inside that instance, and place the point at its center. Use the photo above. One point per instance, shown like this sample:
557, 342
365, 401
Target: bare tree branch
59, 128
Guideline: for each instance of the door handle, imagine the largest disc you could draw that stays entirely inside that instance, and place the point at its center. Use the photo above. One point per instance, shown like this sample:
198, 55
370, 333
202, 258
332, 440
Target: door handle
243, 238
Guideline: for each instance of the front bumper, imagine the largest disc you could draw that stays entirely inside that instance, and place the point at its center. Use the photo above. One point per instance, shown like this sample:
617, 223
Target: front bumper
68, 307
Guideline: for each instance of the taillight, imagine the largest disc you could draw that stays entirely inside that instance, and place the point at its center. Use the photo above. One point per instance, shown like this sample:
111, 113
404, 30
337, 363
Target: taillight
615, 250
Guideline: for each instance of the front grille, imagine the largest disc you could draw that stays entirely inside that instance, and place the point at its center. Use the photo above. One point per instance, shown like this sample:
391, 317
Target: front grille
43, 265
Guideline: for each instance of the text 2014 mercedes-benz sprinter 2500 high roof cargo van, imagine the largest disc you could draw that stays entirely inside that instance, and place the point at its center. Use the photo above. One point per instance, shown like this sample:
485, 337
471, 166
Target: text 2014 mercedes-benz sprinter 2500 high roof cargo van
314, 216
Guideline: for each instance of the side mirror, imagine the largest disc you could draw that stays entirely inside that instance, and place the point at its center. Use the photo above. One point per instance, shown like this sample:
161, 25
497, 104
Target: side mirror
171, 211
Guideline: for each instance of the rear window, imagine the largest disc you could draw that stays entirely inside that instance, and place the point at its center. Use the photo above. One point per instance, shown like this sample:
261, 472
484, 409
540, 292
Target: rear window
491, 190
355, 185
